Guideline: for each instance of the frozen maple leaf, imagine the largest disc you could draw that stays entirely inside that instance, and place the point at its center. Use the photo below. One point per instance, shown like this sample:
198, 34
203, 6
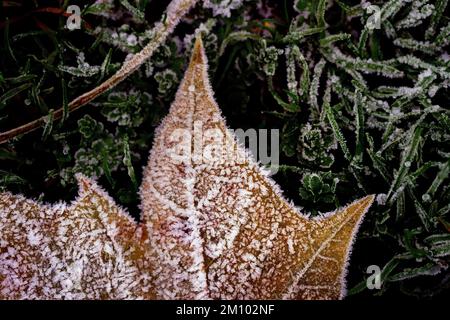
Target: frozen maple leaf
214, 225
89, 249
218, 225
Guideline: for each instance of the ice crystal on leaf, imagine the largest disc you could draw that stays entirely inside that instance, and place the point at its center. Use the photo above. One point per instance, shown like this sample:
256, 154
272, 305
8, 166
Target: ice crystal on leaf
84, 69
211, 227
222, 8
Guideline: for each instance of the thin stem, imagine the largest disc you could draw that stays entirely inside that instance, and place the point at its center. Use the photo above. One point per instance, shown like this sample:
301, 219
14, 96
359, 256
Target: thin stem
175, 10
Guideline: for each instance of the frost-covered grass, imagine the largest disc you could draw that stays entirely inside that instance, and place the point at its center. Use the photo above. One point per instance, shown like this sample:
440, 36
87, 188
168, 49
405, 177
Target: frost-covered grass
361, 110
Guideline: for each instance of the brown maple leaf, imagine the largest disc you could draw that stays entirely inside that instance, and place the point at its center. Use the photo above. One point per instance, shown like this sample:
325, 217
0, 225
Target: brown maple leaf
214, 225
90, 249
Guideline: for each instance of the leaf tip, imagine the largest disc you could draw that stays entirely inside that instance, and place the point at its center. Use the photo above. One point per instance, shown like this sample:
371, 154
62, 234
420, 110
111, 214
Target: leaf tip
84, 183
198, 52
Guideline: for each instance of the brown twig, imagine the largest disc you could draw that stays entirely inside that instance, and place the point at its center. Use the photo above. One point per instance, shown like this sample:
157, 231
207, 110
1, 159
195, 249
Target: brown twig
175, 10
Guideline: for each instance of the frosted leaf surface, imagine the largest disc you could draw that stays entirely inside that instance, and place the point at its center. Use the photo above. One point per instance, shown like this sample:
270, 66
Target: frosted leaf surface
220, 228
89, 249
213, 225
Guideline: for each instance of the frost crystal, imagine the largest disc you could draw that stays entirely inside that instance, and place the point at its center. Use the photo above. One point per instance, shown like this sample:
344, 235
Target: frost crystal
222, 7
